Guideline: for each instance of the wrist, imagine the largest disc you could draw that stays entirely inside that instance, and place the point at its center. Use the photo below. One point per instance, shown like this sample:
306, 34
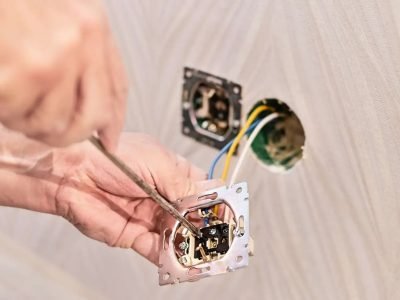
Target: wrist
26, 169
27, 191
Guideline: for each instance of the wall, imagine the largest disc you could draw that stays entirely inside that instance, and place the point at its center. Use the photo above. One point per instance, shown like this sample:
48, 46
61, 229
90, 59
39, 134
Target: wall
326, 230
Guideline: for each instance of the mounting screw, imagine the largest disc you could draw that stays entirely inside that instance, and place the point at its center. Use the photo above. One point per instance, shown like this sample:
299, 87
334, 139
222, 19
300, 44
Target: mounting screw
212, 231
183, 246
225, 230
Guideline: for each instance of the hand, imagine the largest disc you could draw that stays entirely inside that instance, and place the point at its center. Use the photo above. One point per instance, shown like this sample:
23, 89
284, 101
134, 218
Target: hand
61, 77
105, 205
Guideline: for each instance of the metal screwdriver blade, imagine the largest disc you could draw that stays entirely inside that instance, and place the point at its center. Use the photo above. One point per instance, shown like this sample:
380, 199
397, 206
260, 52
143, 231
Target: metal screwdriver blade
164, 203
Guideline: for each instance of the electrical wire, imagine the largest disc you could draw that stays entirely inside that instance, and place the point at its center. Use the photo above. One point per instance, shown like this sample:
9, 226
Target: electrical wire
261, 124
253, 116
249, 142
225, 149
218, 157
236, 141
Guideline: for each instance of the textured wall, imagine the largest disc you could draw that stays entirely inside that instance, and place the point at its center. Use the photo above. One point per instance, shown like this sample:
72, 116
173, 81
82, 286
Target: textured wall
326, 230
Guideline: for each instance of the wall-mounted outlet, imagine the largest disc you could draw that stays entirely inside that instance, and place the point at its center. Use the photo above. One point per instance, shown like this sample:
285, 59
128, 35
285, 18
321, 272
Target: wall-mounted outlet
211, 108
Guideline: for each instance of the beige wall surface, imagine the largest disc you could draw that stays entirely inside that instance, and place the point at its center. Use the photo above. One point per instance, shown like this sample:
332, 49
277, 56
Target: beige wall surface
329, 228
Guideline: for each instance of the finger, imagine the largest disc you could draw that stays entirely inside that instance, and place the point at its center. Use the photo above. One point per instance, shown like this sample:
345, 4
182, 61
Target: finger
118, 83
143, 218
53, 114
17, 102
182, 181
89, 110
177, 178
93, 105
205, 185
26, 73
193, 172
148, 245
14, 101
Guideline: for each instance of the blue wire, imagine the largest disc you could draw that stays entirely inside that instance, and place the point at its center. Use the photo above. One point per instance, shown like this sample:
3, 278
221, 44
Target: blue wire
225, 149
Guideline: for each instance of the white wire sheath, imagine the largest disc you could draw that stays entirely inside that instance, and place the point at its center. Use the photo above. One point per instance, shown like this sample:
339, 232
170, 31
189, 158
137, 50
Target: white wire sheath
250, 140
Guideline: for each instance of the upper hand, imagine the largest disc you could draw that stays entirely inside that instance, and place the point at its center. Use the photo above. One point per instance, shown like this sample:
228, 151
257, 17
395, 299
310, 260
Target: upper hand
61, 77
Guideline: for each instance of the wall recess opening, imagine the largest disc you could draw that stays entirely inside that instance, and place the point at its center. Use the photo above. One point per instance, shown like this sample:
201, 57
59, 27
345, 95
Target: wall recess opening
280, 144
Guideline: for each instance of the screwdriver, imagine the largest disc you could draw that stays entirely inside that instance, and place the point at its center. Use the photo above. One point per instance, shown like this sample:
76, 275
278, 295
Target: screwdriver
150, 191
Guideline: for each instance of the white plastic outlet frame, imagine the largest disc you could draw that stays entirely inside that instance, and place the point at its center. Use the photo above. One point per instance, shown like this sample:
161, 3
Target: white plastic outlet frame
237, 198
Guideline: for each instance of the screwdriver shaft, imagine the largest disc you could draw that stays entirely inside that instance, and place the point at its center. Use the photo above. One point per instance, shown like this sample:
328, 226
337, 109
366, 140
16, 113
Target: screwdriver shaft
151, 192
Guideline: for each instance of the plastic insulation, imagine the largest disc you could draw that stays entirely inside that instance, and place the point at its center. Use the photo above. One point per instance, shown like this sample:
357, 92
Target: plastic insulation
250, 141
225, 149
236, 141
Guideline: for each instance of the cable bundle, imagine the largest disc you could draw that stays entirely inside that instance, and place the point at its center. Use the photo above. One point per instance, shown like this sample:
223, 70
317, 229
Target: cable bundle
253, 127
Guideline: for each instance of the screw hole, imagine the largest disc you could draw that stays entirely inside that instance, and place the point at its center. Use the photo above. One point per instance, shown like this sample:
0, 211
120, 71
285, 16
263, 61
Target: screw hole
229, 269
212, 196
